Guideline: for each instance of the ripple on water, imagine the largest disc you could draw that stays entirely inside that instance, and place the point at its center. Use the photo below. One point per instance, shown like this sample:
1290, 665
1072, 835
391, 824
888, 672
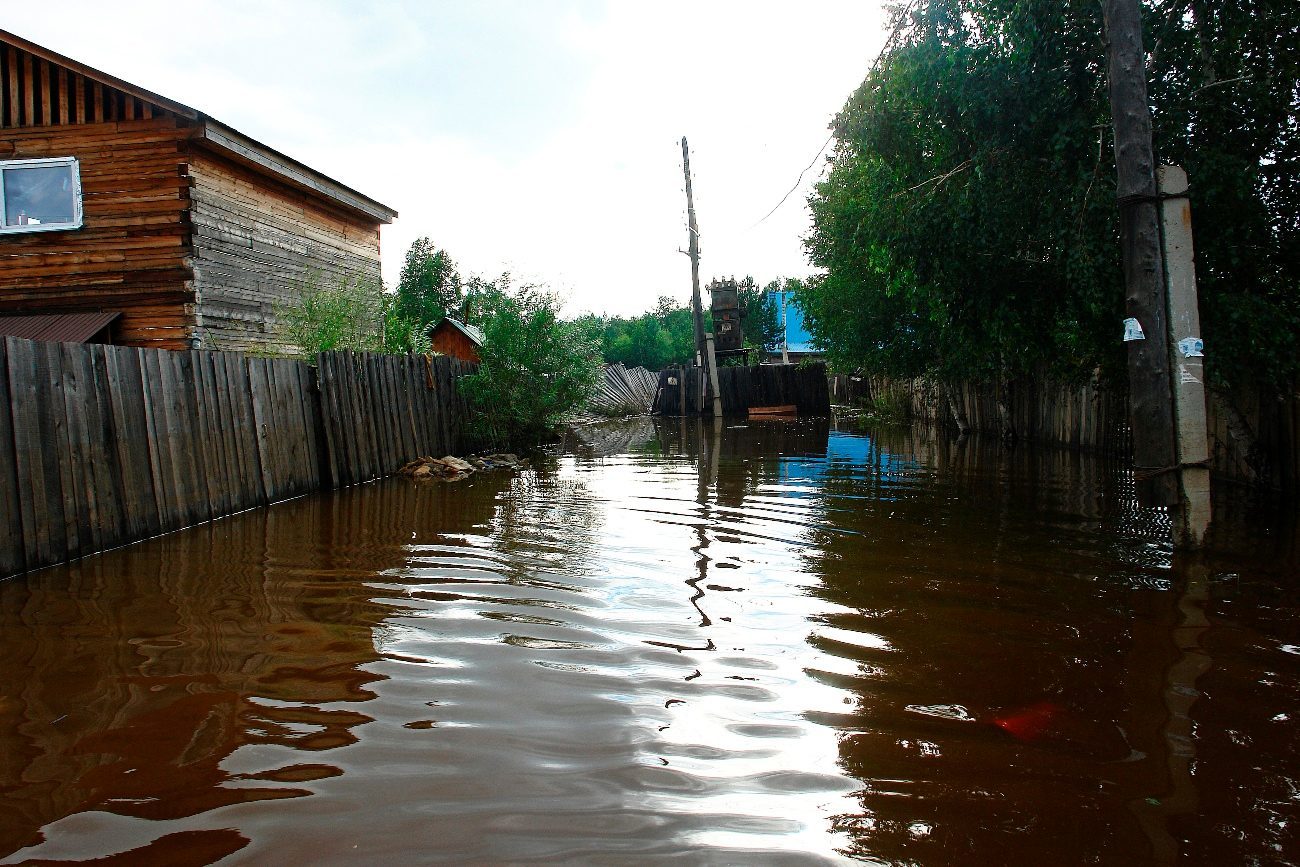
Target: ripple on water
776, 643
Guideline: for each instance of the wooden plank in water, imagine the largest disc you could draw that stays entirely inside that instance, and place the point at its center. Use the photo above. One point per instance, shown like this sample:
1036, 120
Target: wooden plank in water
367, 419
193, 458
309, 396
58, 444
788, 409
21, 367
258, 389
412, 393
378, 414
249, 451
217, 434
104, 465
375, 404
156, 427
330, 438
346, 431
123, 366
78, 394
13, 557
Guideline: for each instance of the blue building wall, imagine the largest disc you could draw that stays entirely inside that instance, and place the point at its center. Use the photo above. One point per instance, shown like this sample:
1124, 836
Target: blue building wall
797, 338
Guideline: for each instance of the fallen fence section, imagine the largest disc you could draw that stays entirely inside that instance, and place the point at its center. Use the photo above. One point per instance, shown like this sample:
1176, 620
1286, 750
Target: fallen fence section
625, 390
105, 445
803, 386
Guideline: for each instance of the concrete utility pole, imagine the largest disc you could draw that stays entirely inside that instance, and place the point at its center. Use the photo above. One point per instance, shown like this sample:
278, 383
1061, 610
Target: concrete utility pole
1187, 361
1146, 328
704, 355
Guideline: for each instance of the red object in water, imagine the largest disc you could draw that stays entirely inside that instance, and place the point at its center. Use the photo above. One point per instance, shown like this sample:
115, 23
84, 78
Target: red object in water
1031, 723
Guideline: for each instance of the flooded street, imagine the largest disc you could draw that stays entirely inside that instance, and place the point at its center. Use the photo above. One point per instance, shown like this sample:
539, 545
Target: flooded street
770, 643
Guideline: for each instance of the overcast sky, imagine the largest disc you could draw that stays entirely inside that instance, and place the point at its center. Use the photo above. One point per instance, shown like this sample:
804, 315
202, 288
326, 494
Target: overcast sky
536, 136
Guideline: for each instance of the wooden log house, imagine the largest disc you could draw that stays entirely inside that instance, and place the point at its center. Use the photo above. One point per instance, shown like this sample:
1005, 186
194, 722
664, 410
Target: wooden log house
114, 199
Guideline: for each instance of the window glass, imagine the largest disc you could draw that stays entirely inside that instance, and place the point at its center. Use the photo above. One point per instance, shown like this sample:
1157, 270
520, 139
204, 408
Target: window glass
39, 195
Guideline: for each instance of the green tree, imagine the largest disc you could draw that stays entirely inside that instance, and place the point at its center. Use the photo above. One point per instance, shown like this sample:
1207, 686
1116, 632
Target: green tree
429, 286
656, 339
760, 319
534, 368
967, 226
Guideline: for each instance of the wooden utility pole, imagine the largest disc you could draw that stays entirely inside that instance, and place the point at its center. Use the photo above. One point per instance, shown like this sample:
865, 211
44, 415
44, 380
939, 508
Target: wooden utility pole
704, 355
1146, 328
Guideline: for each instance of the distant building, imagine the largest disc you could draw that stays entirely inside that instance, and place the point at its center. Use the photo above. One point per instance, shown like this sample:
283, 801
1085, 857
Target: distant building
796, 343
115, 200
457, 339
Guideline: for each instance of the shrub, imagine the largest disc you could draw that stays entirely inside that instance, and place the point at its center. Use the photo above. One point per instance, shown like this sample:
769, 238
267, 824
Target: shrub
355, 314
534, 367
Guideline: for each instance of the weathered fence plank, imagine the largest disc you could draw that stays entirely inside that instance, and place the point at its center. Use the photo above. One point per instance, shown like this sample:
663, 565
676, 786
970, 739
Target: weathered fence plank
12, 550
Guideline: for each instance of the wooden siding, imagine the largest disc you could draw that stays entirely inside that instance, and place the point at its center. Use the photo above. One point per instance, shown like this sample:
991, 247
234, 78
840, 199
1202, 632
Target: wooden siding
449, 340
258, 243
132, 253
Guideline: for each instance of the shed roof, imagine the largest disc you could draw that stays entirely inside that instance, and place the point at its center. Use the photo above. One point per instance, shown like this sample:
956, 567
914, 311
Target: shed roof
57, 327
471, 331
225, 139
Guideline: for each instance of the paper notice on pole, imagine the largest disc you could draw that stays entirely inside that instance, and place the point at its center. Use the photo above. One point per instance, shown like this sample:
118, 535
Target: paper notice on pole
1192, 347
1133, 330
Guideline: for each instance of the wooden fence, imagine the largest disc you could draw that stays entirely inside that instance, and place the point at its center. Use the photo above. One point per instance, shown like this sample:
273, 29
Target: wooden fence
104, 445
1095, 418
741, 388
380, 411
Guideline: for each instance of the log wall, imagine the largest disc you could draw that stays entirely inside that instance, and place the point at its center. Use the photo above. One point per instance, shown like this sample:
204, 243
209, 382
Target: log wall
258, 244
104, 445
182, 238
132, 253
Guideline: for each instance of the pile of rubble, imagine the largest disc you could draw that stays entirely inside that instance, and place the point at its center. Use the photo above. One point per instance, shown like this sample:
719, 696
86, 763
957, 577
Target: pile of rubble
453, 469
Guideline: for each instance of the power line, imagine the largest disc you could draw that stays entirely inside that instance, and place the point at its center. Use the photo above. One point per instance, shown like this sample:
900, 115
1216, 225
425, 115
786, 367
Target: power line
800, 179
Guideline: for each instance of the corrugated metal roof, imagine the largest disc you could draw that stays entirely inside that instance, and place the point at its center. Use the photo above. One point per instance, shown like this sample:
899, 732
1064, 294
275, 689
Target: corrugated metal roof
57, 327
470, 331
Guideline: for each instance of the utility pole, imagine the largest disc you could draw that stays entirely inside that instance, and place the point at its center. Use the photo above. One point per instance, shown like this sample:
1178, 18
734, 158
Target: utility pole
1146, 328
1187, 361
704, 355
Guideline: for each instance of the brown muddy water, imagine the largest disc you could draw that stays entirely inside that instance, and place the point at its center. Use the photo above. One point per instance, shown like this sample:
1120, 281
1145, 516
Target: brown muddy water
776, 643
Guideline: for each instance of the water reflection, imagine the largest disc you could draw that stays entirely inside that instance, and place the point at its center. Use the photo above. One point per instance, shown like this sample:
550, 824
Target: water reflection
735, 642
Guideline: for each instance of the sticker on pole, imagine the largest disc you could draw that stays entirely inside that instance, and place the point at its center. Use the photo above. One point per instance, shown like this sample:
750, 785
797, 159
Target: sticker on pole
1133, 331
1192, 347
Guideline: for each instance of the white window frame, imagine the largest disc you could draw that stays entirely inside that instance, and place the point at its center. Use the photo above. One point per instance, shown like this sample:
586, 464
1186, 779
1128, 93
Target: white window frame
78, 216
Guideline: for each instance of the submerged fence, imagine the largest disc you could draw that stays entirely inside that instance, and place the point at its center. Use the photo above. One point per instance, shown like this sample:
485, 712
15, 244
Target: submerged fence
104, 445
802, 386
1264, 449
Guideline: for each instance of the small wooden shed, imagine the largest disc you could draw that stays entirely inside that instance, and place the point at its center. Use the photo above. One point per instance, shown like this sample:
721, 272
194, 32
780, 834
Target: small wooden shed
116, 199
454, 338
